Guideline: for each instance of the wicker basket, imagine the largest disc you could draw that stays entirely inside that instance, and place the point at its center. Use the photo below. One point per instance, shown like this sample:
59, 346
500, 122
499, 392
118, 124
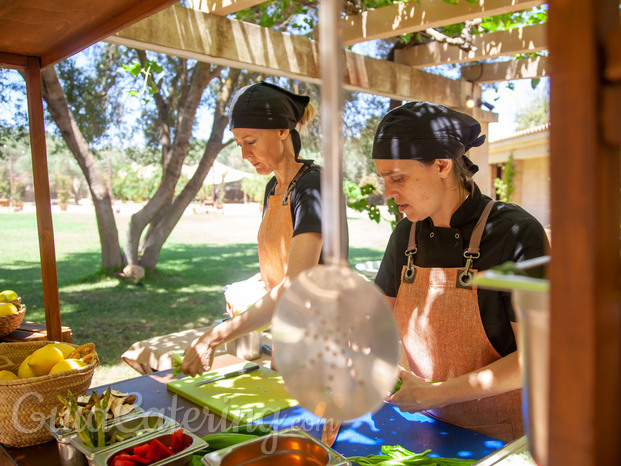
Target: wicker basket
11, 322
27, 403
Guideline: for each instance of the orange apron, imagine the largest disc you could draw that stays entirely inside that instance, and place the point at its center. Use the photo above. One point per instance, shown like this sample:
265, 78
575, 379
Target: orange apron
437, 312
275, 236
276, 233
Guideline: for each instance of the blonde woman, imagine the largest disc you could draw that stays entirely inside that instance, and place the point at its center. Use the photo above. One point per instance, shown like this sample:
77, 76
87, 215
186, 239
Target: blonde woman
264, 120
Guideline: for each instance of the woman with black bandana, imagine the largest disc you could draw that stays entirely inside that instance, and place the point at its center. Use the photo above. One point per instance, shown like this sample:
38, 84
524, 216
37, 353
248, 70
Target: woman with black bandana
264, 119
461, 339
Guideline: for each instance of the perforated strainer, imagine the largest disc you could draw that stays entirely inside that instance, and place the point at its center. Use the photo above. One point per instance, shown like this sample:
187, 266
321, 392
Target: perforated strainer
335, 339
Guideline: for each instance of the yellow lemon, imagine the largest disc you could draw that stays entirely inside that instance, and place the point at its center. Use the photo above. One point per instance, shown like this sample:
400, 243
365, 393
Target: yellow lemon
42, 360
8, 296
7, 375
7, 309
67, 365
64, 348
24, 371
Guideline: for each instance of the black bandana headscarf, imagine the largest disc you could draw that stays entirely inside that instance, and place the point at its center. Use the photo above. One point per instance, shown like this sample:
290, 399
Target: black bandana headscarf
426, 131
267, 106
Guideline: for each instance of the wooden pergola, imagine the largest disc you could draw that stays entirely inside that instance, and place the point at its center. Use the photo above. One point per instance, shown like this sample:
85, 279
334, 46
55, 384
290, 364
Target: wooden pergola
584, 64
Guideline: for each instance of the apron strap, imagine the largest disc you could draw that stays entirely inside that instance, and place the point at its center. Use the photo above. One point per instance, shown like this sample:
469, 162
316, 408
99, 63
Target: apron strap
477, 233
464, 278
303, 169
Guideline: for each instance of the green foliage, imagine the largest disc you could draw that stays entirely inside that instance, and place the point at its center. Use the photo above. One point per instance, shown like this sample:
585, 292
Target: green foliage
505, 188
62, 185
507, 21
357, 198
5, 184
133, 183
536, 112
91, 91
254, 187
136, 69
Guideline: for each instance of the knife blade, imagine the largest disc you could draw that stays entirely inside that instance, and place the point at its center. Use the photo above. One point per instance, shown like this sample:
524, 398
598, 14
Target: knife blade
228, 375
330, 431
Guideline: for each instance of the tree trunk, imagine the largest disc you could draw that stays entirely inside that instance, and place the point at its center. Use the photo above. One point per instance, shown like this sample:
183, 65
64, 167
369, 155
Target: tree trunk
111, 256
165, 222
162, 200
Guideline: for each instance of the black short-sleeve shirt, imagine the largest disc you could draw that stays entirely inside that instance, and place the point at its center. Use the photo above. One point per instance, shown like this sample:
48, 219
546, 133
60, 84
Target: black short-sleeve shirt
305, 201
511, 234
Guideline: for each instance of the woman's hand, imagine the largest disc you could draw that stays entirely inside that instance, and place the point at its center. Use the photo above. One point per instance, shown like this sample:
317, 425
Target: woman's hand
199, 356
414, 393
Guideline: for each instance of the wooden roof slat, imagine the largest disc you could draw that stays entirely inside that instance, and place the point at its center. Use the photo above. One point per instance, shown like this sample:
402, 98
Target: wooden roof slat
56, 30
13, 61
522, 68
492, 45
223, 7
416, 16
189, 33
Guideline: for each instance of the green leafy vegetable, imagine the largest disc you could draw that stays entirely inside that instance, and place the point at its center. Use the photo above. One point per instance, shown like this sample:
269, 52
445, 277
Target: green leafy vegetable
398, 456
177, 361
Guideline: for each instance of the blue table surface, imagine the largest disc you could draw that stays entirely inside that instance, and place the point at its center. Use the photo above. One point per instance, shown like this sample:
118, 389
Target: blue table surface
391, 426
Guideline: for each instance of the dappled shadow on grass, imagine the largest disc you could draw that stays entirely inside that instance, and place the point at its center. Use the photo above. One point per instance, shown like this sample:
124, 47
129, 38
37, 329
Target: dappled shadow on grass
183, 292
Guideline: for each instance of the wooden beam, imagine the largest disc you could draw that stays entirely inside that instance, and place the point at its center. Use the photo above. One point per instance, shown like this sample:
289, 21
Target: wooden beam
585, 341
611, 114
13, 61
192, 34
49, 278
85, 38
612, 48
522, 68
496, 44
416, 16
223, 7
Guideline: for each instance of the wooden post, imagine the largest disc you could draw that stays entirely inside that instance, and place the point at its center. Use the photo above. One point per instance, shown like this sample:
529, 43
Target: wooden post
40, 176
585, 349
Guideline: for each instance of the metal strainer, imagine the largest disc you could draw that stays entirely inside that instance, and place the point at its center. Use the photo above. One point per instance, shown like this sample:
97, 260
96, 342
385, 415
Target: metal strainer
335, 339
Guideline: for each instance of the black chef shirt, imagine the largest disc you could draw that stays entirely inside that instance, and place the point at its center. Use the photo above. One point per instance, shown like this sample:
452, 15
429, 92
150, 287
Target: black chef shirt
511, 234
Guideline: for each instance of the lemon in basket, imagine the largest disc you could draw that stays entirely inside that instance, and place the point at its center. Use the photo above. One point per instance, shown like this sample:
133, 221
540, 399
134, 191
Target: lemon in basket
7, 296
43, 359
6, 309
7, 375
64, 348
67, 365
24, 371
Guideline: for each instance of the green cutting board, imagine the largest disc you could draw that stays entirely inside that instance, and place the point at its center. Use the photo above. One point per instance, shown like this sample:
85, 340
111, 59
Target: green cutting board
241, 399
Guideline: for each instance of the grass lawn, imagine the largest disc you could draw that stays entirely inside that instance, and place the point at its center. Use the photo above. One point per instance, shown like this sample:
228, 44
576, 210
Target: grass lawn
184, 291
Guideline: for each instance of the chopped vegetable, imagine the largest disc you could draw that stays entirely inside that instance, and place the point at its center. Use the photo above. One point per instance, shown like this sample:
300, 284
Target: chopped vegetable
397, 386
151, 451
158, 451
177, 441
398, 456
177, 361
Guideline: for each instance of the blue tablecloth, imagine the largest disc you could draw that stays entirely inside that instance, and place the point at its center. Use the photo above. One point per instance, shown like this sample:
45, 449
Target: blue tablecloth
390, 426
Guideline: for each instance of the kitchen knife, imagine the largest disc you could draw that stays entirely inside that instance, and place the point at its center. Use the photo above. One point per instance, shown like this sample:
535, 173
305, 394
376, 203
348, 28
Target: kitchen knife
228, 375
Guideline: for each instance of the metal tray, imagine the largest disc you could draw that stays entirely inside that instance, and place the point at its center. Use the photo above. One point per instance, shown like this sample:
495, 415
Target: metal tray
504, 454
285, 447
145, 425
64, 434
193, 442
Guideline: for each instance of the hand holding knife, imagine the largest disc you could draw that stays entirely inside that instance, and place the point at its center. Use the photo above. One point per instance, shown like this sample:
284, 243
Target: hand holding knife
228, 375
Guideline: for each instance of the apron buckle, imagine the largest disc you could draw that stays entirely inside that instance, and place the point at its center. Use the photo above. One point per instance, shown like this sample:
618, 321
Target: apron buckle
464, 277
410, 271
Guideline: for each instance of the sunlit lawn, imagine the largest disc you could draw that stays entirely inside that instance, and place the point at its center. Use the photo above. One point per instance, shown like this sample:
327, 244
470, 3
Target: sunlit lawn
184, 291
